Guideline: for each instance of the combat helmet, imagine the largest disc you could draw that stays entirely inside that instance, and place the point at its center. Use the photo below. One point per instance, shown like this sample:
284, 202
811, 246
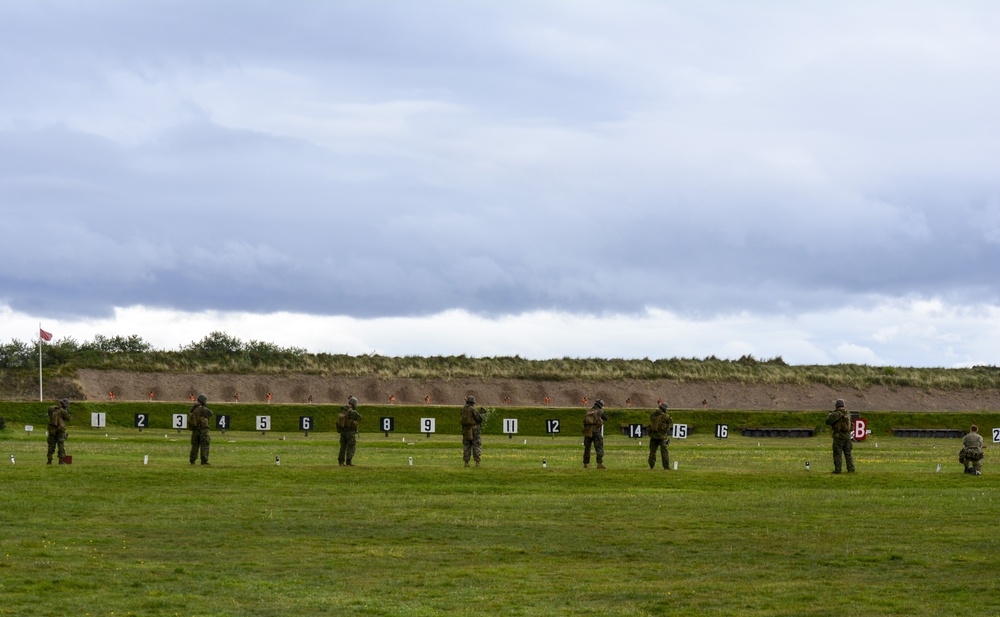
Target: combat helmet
839, 404
202, 399
470, 400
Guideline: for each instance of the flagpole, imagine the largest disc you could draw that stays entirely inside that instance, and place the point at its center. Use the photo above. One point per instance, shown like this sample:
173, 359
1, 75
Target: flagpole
40, 399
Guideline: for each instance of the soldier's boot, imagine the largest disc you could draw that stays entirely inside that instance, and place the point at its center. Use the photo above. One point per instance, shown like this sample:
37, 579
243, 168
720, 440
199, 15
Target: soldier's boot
835, 471
349, 464
477, 463
976, 472
206, 463
585, 465
50, 462
466, 464
601, 466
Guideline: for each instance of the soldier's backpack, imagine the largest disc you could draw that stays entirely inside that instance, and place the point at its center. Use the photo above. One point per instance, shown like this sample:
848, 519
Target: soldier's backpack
660, 423
343, 420
468, 422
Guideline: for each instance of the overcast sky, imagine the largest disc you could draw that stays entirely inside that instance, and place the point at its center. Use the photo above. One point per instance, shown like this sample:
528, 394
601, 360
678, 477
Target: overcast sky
607, 178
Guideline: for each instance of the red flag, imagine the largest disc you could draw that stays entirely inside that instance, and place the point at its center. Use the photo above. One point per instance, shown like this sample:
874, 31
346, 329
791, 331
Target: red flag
46, 336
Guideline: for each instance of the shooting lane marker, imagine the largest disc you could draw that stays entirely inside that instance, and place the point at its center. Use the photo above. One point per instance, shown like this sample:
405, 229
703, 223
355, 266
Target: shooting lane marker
552, 427
388, 425
510, 427
427, 425
305, 424
180, 421
263, 424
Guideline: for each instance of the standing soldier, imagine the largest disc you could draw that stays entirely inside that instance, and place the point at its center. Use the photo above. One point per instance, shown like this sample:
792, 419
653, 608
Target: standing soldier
472, 439
972, 453
660, 425
347, 426
593, 422
198, 420
58, 416
840, 422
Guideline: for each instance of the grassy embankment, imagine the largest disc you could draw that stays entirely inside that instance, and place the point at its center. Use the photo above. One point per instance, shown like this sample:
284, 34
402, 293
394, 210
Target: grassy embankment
739, 529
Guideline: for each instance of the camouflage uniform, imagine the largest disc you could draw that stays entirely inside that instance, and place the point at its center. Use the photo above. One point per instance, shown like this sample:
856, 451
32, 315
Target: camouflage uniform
592, 424
198, 423
972, 452
347, 426
472, 439
58, 416
659, 439
840, 422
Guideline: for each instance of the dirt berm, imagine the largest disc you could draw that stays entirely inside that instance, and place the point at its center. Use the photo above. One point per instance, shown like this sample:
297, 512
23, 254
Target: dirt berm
97, 386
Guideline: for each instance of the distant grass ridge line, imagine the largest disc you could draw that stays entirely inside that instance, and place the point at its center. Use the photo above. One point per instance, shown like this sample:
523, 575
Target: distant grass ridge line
220, 353
531, 420
590, 369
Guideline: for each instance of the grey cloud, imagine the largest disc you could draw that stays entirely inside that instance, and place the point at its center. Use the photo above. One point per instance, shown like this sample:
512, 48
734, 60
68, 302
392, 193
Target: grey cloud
440, 157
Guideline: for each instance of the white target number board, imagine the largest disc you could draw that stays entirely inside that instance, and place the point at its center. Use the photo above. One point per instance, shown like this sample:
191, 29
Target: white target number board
427, 425
510, 426
180, 420
98, 420
263, 423
996, 435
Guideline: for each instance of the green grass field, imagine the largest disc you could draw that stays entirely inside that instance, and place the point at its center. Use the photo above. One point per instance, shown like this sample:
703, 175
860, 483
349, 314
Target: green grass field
741, 528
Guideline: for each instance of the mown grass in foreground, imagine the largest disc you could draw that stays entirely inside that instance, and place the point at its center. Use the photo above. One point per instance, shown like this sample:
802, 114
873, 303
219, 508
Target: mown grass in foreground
739, 529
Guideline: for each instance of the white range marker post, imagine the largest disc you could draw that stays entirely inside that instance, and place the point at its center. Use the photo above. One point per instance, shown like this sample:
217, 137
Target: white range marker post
263, 424
180, 421
427, 426
552, 427
388, 425
510, 427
